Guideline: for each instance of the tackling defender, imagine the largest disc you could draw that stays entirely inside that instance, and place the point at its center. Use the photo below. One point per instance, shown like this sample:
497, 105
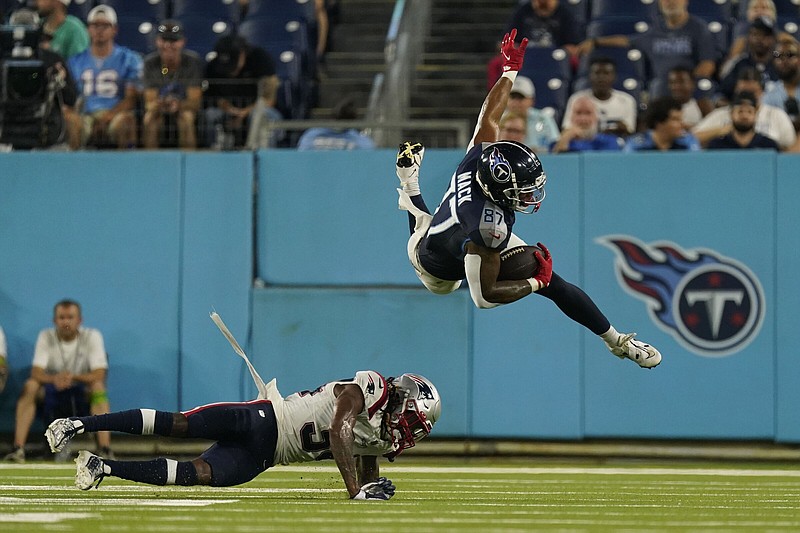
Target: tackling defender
473, 224
352, 421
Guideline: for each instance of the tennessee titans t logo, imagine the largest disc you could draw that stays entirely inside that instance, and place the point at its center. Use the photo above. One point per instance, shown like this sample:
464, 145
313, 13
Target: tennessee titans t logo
713, 305
499, 167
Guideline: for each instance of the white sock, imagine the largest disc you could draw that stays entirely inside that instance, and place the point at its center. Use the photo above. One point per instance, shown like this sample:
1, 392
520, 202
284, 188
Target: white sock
611, 336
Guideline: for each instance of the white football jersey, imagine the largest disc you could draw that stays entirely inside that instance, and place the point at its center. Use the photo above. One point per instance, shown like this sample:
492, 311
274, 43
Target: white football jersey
304, 421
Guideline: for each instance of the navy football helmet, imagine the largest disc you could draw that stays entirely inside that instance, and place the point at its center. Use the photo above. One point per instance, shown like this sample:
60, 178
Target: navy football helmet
413, 408
511, 175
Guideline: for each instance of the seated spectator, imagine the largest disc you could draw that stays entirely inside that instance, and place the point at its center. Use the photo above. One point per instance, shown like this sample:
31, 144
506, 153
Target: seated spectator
755, 9
337, 138
69, 368
675, 38
771, 121
616, 110
546, 23
67, 35
664, 129
108, 77
785, 93
3, 361
233, 76
582, 135
743, 134
513, 127
757, 54
172, 88
682, 89
22, 125
262, 133
542, 127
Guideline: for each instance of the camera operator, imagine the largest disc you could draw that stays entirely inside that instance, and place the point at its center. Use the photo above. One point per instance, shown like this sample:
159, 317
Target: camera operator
31, 107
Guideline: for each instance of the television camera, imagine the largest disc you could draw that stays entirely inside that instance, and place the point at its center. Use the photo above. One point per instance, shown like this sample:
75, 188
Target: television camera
29, 114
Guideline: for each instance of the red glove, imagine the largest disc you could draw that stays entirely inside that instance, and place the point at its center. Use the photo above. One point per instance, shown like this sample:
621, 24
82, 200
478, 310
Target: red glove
512, 56
545, 271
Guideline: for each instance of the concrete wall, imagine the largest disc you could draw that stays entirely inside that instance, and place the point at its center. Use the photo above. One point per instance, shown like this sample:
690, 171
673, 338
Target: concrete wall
685, 249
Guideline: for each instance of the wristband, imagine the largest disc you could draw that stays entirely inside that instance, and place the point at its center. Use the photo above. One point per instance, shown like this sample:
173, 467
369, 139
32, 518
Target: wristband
510, 74
534, 283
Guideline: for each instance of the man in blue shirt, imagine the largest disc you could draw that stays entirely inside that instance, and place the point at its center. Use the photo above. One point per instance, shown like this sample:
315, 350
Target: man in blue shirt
664, 129
337, 138
109, 81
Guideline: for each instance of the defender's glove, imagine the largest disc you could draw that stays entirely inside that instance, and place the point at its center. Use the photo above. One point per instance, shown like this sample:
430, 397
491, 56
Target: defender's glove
377, 490
512, 56
545, 271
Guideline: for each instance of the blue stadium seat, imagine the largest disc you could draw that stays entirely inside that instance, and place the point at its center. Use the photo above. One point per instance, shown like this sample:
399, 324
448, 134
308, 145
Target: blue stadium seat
137, 33
718, 15
293, 93
551, 73
282, 9
617, 26
227, 10
153, 10
712, 10
790, 24
289, 34
578, 8
203, 31
604, 9
80, 8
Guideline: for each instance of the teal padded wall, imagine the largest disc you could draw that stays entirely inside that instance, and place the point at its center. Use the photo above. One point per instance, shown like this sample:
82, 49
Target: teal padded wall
217, 272
718, 201
306, 337
104, 229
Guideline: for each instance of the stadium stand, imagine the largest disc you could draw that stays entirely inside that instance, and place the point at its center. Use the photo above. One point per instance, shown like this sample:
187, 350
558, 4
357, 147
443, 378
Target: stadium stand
551, 73
630, 65
225, 10
153, 10
80, 8
606, 9
203, 30
616, 26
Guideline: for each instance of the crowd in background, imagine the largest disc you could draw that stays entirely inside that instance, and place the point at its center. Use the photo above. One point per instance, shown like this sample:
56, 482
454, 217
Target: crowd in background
685, 89
694, 88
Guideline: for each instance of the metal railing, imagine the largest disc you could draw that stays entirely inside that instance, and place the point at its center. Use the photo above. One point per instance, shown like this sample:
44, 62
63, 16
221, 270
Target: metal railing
390, 97
439, 133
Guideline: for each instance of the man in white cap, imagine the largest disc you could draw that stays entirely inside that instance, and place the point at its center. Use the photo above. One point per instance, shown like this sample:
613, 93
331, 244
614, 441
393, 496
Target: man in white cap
109, 78
66, 33
542, 128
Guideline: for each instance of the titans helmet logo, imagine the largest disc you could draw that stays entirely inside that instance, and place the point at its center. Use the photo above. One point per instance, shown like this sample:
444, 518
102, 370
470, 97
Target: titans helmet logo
713, 305
499, 167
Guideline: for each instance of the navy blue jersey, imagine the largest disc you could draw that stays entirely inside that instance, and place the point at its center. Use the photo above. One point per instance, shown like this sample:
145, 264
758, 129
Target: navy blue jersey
465, 214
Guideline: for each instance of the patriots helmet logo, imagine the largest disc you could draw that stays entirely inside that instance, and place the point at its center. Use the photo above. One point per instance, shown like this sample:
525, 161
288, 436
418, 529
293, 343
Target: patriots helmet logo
711, 304
425, 392
499, 167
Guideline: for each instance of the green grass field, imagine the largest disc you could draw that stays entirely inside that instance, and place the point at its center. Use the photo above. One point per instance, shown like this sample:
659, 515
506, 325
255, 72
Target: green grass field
445, 495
